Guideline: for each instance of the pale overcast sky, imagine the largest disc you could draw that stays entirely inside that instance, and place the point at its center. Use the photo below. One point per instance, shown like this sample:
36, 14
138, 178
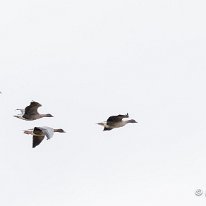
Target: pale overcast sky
87, 60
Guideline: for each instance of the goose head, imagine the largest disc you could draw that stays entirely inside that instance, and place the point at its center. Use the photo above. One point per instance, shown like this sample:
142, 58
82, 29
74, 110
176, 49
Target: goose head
131, 121
48, 115
59, 130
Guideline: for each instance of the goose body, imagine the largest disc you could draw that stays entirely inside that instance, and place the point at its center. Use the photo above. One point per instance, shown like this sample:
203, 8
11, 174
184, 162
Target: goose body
40, 132
116, 122
31, 112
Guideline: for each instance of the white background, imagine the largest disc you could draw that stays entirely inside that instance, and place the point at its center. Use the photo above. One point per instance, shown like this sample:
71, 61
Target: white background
87, 60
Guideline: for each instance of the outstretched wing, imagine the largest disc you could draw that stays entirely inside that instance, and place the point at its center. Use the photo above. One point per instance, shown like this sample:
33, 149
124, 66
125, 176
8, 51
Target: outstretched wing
48, 131
107, 129
38, 136
118, 118
32, 108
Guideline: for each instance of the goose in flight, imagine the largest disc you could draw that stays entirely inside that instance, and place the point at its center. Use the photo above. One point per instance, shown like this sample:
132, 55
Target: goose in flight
30, 112
40, 132
116, 122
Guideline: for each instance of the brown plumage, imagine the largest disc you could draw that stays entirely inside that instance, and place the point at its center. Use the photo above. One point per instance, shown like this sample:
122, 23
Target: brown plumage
115, 119
38, 136
116, 122
31, 112
40, 132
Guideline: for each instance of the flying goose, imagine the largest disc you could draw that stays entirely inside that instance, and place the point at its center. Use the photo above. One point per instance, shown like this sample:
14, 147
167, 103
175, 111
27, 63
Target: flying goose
40, 132
30, 112
116, 122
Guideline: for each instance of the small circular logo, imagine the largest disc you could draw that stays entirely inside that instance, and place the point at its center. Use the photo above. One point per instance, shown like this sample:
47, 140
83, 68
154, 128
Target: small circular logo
198, 192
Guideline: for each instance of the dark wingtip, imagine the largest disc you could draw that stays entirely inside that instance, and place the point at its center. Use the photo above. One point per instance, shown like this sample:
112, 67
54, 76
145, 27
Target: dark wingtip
35, 103
107, 129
